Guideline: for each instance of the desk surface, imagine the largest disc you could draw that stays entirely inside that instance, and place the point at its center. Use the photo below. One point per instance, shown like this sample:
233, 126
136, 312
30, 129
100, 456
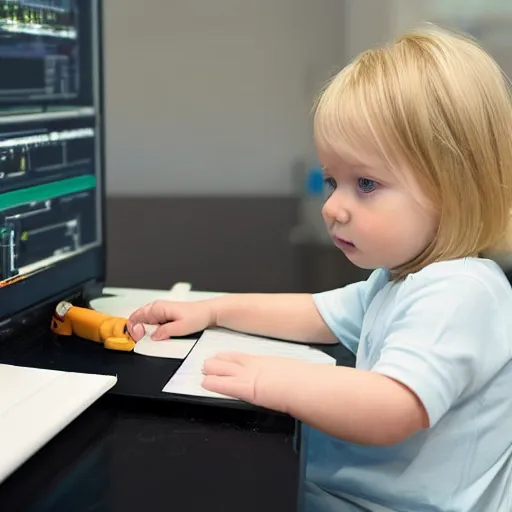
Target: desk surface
126, 455
129, 452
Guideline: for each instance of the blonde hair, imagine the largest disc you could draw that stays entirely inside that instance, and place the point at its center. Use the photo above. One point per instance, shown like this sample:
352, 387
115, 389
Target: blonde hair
437, 105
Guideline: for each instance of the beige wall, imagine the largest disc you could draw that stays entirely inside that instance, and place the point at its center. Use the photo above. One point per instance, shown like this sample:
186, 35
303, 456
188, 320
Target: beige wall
372, 22
214, 97
490, 21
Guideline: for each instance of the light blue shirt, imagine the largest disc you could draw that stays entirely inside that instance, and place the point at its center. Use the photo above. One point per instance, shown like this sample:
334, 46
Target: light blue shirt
446, 333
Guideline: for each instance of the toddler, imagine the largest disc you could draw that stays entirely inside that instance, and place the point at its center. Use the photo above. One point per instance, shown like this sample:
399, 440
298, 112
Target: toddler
415, 139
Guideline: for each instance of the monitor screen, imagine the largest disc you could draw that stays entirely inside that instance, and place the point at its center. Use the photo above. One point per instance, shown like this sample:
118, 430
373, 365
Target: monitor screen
45, 54
51, 182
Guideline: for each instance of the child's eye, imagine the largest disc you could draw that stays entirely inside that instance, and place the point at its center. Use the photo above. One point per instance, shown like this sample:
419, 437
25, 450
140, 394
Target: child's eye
366, 185
330, 184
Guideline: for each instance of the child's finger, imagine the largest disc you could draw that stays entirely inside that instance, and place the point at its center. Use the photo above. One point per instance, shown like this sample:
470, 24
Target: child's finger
229, 386
169, 330
215, 366
157, 312
137, 331
234, 357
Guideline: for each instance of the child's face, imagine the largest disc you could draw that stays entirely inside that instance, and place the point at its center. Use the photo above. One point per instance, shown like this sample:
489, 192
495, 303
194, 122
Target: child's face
375, 217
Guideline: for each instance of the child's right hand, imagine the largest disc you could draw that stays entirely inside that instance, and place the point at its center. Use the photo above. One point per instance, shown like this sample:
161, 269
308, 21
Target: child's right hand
174, 318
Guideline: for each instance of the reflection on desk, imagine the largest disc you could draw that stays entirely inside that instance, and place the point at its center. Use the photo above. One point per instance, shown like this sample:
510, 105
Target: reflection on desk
127, 455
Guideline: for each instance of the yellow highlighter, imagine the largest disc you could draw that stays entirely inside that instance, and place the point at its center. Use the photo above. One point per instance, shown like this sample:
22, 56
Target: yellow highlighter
92, 325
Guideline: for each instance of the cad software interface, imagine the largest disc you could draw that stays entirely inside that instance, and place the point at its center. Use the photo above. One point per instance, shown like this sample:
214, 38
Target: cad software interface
50, 165
39, 50
48, 200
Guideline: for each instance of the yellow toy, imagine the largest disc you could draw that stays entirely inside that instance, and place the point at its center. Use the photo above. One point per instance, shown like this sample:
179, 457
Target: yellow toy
92, 325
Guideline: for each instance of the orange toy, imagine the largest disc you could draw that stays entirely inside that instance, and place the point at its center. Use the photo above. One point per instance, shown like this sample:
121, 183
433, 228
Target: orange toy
92, 325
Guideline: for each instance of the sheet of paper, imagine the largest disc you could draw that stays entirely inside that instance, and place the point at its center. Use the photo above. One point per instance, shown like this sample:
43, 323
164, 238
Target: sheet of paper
187, 380
172, 349
36, 404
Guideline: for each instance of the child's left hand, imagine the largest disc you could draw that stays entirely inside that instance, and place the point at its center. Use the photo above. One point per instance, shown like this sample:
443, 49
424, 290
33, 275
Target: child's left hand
261, 380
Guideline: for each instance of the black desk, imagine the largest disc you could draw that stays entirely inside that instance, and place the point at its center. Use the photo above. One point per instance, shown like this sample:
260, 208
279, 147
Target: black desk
127, 455
140, 449
132, 453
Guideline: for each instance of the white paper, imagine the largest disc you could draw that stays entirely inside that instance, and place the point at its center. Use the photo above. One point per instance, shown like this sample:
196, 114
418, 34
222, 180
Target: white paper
187, 380
36, 404
172, 349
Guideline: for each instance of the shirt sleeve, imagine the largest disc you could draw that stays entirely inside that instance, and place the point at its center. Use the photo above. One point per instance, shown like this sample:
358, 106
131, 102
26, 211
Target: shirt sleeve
446, 339
343, 309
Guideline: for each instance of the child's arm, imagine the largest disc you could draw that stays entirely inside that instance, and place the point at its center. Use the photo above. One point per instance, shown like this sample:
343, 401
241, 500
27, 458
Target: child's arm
284, 316
292, 317
432, 357
329, 317
357, 406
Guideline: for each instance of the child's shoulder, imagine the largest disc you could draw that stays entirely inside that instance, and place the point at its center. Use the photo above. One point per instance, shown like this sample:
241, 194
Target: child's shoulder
464, 278
480, 269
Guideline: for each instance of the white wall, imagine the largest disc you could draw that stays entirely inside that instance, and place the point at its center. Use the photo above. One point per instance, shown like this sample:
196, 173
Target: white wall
373, 22
488, 20
214, 96
367, 24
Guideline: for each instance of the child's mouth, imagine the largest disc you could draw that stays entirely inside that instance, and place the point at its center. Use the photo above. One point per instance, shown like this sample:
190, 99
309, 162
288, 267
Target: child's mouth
343, 244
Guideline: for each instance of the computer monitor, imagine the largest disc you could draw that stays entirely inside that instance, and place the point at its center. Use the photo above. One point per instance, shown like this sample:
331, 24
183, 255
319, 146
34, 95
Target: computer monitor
51, 161
45, 54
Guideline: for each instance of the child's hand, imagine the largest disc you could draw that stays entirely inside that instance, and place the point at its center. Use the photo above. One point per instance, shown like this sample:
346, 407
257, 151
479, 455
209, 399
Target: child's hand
260, 380
175, 318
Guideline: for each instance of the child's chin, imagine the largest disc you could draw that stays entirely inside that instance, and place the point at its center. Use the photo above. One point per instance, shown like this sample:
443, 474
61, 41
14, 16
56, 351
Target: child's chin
360, 262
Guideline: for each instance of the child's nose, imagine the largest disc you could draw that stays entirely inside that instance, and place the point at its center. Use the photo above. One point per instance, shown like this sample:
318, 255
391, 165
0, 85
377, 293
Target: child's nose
335, 209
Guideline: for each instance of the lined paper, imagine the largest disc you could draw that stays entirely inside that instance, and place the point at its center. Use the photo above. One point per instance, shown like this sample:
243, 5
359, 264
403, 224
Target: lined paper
187, 380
